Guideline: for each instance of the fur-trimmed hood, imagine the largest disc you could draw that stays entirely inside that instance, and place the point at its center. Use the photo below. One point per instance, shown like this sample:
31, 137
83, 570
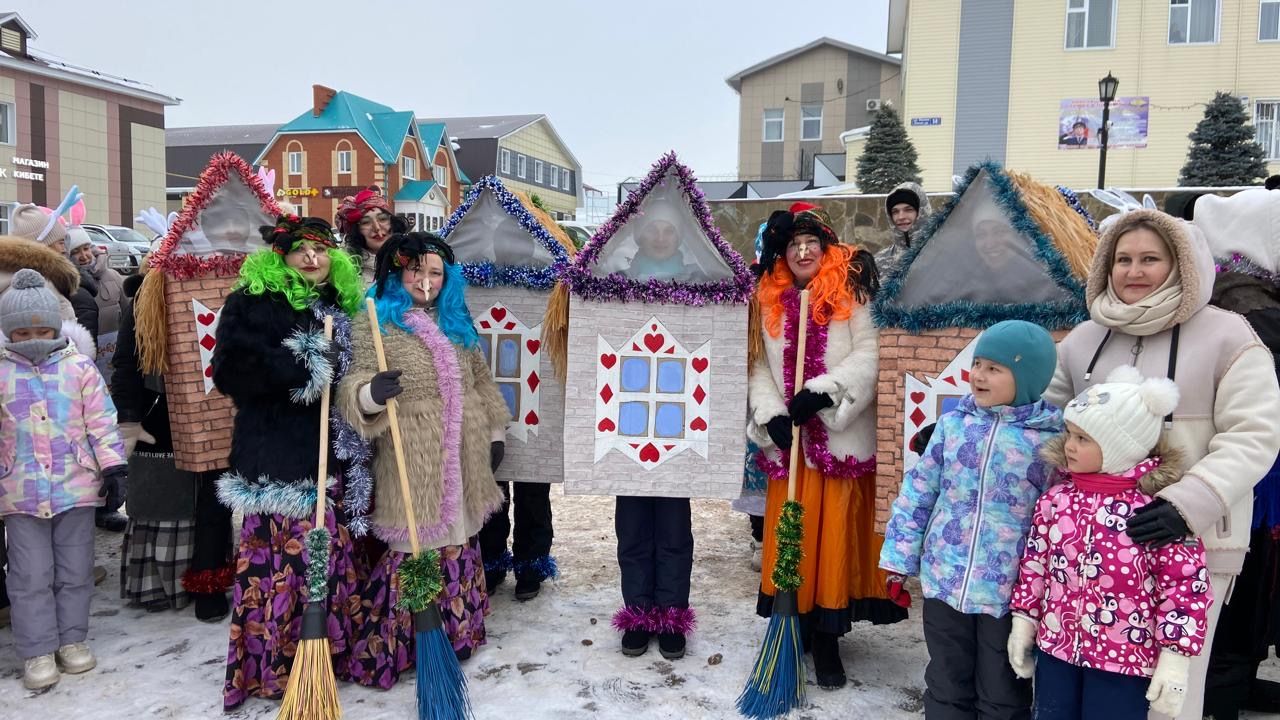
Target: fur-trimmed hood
1173, 462
1185, 241
17, 253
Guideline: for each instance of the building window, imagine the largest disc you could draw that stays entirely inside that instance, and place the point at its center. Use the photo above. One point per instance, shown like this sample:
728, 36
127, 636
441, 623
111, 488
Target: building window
441, 177
295, 162
811, 122
4, 218
555, 176
1193, 21
504, 156
1269, 20
520, 166
409, 168
537, 171
344, 162
8, 131
1090, 24
564, 179
1266, 126
773, 125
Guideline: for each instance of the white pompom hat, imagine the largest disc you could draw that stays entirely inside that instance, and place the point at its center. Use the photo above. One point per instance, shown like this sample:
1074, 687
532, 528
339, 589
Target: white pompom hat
1124, 416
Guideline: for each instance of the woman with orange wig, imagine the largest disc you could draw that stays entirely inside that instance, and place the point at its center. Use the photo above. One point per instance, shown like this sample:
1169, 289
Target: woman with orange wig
835, 408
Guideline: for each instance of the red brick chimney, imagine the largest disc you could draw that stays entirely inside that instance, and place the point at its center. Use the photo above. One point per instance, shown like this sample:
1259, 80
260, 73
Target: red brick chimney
320, 97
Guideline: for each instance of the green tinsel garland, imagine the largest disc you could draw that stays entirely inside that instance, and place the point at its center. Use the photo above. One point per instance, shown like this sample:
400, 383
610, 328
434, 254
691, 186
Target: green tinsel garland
317, 564
421, 581
786, 571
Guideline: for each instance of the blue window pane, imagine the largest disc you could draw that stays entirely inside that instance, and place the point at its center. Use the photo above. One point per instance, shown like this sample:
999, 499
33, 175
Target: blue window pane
949, 403
633, 418
508, 357
635, 374
671, 376
486, 345
510, 393
668, 420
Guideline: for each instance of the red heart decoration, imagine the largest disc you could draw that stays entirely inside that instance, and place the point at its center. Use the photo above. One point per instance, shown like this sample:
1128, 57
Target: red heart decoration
917, 397
531, 418
207, 342
608, 359
533, 346
606, 425
649, 453
498, 313
206, 318
700, 364
698, 424
654, 342
208, 372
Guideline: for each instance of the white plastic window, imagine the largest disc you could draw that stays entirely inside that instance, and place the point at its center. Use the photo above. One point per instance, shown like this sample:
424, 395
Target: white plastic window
8, 131
554, 172
295, 163
409, 168
537, 171
344, 162
773, 119
504, 156
1090, 24
1193, 21
520, 166
488, 233
811, 122
1268, 20
1266, 127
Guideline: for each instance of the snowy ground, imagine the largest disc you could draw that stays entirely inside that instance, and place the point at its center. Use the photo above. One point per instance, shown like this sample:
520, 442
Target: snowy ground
553, 657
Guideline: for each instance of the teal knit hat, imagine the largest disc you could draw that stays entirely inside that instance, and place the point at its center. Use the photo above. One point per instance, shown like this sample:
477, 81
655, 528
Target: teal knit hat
1027, 350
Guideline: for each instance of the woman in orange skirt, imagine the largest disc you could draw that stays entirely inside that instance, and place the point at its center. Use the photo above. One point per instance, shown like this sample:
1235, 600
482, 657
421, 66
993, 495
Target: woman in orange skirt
835, 409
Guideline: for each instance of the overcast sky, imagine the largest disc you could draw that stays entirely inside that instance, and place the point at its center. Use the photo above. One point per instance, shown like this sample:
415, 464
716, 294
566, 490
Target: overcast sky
621, 81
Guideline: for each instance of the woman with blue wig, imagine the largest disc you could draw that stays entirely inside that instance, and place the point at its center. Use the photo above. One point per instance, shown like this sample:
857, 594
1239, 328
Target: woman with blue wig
452, 420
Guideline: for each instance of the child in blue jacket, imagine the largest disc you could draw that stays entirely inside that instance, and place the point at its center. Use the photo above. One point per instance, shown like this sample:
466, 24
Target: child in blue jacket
961, 520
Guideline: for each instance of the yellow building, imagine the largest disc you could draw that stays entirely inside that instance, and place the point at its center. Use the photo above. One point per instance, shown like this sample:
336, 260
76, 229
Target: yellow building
996, 79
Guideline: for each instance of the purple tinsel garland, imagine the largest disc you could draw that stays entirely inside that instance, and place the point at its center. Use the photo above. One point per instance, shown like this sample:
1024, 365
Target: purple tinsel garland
352, 450
618, 287
814, 439
487, 274
1241, 264
655, 620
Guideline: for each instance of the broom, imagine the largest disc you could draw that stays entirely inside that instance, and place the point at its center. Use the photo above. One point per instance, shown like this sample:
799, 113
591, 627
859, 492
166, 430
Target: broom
442, 691
776, 685
312, 690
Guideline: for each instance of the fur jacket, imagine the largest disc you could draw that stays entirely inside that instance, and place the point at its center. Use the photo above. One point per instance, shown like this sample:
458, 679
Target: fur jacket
446, 448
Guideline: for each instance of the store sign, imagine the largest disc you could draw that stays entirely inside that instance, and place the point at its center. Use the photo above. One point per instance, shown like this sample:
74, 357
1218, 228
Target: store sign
340, 191
297, 192
19, 172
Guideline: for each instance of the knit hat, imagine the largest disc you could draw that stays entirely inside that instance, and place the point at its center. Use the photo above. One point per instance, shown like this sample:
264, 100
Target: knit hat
1027, 350
76, 240
32, 222
28, 303
1123, 415
902, 195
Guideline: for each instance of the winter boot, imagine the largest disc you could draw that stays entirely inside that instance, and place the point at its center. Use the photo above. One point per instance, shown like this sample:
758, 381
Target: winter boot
211, 607
40, 672
528, 585
671, 645
757, 553
635, 642
76, 658
826, 661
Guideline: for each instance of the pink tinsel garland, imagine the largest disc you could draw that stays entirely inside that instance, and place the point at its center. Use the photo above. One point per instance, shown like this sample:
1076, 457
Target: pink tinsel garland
655, 620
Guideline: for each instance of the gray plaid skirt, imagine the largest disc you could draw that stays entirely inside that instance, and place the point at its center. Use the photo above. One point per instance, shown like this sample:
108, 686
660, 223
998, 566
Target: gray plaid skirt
154, 557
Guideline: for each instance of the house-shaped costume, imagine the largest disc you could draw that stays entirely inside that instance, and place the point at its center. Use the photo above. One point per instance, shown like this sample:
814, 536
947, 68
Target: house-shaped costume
180, 300
513, 256
1005, 248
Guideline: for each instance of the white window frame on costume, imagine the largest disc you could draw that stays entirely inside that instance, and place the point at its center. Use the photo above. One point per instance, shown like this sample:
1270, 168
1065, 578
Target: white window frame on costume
776, 117
1268, 31
295, 162
1266, 127
805, 122
1081, 11
8, 125
504, 161
409, 167
344, 162
1181, 10
521, 166
651, 397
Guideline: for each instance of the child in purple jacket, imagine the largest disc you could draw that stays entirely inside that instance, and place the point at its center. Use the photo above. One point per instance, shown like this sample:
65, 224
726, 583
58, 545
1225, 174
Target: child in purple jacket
1116, 621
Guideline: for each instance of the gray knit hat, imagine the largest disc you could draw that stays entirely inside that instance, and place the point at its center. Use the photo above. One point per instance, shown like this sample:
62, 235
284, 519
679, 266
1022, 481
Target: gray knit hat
29, 221
28, 303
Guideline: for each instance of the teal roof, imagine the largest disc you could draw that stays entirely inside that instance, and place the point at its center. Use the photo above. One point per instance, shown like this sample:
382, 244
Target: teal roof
431, 134
383, 128
414, 190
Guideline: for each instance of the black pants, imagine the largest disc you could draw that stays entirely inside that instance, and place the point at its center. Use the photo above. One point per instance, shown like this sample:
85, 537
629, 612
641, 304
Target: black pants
1067, 692
968, 676
1248, 628
212, 543
533, 531
757, 527
655, 550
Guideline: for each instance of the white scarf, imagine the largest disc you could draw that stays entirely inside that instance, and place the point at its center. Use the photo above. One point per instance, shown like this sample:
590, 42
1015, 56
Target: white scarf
1148, 316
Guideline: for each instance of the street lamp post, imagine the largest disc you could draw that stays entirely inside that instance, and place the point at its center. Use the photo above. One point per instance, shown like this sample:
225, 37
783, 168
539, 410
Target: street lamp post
1107, 87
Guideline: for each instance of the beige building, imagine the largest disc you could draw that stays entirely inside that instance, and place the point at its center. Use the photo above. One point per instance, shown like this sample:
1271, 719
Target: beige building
795, 105
1017, 82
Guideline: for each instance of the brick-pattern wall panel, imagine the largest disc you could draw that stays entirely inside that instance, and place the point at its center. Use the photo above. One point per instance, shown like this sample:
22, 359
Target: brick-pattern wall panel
687, 474
201, 422
541, 458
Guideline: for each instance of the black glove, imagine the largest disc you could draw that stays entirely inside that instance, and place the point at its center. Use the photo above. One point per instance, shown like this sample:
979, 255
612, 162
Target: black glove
384, 386
921, 440
1158, 523
115, 484
497, 449
779, 430
806, 403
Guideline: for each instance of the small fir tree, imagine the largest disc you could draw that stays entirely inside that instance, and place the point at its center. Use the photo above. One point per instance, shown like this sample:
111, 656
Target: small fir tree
1223, 150
888, 158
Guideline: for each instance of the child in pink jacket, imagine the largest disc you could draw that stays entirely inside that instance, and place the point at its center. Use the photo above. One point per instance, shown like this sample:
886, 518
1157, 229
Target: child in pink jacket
1116, 622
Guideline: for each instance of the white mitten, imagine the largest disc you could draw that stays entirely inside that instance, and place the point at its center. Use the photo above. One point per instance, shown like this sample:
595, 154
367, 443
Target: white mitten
1169, 683
132, 433
1022, 639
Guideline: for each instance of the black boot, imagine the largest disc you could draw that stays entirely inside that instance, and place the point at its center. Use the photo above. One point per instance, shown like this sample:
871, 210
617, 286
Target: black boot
211, 607
635, 642
528, 585
826, 661
671, 645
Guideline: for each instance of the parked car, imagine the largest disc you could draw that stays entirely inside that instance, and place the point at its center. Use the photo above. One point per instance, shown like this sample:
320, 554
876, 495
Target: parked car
123, 246
579, 232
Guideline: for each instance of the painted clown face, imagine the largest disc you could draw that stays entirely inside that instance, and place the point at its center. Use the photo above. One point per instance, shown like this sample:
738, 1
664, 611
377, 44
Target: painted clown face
311, 260
424, 279
375, 228
804, 257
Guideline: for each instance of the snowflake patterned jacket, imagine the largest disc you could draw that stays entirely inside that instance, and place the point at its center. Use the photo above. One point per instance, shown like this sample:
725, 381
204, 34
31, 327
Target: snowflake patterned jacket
57, 432
962, 516
1103, 601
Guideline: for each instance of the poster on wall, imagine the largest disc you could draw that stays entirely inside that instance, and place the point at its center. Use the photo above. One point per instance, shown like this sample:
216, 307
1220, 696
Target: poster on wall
1079, 122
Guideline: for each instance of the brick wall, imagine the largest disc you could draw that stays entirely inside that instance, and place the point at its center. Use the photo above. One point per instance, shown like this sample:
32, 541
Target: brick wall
201, 423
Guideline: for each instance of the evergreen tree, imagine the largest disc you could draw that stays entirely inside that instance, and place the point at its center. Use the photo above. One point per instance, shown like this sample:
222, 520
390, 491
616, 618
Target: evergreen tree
888, 158
1223, 150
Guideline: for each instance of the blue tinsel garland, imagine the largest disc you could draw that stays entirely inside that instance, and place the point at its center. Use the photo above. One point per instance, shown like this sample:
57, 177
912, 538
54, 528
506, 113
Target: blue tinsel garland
349, 447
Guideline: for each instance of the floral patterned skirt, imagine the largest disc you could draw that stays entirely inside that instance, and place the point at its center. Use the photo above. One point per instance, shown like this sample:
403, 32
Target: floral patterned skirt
268, 597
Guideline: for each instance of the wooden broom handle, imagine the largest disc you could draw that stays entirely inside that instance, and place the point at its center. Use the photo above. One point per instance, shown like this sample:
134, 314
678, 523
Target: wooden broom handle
801, 341
322, 473
396, 443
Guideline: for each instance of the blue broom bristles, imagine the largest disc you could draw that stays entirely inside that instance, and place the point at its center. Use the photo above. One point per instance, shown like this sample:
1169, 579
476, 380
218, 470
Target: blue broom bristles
442, 686
776, 685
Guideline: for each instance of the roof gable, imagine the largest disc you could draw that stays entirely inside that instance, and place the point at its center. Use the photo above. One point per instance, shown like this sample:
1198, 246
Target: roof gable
735, 80
382, 128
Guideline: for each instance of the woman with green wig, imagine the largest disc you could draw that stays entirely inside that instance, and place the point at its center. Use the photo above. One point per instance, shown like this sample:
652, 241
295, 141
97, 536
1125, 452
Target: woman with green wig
273, 361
